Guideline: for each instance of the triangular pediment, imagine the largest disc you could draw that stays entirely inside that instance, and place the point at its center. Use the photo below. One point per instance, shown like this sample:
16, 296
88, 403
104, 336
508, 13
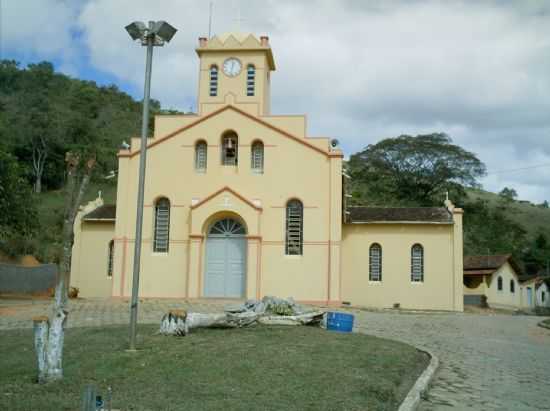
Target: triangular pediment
232, 42
258, 120
227, 198
251, 41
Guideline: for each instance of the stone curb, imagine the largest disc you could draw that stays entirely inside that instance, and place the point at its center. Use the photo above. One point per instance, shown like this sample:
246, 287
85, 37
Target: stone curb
542, 325
412, 400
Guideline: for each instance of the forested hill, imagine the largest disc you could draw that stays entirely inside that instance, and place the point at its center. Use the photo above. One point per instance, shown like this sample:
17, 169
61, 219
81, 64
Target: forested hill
44, 114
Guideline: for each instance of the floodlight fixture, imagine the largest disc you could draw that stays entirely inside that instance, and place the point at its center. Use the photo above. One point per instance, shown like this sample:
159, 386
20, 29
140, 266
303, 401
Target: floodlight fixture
136, 30
164, 30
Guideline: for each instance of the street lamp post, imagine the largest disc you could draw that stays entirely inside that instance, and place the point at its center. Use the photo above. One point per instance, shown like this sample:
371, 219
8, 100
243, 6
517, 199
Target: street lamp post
155, 34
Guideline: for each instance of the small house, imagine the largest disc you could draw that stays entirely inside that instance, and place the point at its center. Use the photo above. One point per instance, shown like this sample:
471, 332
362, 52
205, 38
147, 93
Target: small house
501, 280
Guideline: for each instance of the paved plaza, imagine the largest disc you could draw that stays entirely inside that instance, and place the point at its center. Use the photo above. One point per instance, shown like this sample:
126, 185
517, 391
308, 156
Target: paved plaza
487, 362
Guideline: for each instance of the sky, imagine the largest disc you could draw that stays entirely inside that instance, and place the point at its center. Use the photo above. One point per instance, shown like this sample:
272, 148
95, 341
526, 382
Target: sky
361, 70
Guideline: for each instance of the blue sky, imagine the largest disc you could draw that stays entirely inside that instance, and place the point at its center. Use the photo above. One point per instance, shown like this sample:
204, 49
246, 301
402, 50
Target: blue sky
360, 70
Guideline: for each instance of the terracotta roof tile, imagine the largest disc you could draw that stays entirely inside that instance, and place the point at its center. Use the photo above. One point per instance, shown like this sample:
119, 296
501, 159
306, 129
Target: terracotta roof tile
105, 212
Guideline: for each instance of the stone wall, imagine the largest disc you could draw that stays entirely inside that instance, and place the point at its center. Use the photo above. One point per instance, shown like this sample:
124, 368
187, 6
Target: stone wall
23, 280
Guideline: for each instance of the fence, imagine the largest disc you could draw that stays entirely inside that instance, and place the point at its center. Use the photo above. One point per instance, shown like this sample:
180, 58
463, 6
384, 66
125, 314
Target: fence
24, 280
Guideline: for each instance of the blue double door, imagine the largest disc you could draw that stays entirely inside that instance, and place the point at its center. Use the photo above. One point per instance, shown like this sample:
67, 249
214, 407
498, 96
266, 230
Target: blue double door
225, 264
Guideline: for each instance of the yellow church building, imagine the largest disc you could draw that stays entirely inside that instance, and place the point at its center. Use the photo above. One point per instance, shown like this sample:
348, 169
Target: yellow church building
242, 203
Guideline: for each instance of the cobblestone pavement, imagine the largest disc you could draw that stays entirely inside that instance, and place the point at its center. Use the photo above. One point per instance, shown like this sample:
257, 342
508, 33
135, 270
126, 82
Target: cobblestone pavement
97, 312
487, 362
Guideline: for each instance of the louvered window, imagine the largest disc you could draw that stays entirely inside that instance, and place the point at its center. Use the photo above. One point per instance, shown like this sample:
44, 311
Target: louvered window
375, 263
294, 228
200, 156
417, 263
250, 80
110, 258
230, 149
162, 226
213, 81
257, 160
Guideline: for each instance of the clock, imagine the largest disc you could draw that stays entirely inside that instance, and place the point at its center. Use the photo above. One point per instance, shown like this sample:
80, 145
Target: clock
232, 66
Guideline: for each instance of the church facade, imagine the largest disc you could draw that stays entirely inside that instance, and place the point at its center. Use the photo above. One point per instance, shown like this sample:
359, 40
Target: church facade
242, 203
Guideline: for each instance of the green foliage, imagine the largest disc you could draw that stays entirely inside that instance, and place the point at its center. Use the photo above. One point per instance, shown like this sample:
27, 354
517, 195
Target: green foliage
489, 230
537, 255
41, 110
508, 194
410, 170
18, 213
44, 115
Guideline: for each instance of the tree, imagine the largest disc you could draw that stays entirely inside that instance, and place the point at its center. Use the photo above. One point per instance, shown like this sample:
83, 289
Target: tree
417, 170
18, 214
508, 194
49, 333
39, 122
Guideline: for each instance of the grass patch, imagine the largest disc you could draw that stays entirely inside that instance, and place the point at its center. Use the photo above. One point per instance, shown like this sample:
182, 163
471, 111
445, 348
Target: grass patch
258, 368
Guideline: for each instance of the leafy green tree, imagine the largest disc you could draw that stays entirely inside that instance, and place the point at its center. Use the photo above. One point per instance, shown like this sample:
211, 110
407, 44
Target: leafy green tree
508, 194
410, 170
18, 215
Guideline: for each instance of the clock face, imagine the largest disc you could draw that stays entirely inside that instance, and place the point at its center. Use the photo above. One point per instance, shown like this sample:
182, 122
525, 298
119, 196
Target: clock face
232, 67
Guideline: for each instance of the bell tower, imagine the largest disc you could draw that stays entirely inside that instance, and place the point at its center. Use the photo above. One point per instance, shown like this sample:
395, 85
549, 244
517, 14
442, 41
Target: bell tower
235, 68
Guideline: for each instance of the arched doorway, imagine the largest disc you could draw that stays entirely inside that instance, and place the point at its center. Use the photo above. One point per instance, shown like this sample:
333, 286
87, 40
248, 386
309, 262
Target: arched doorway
225, 259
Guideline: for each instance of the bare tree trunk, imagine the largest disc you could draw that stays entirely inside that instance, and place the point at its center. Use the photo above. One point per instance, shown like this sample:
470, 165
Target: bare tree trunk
41, 328
39, 155
49, 336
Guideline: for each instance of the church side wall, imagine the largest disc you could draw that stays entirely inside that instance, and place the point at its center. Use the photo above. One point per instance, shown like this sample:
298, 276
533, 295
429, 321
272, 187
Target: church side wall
89, 270
437, 292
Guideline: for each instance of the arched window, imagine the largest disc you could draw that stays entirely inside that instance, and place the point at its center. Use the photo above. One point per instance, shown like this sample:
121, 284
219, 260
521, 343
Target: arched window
499, 283
417, 263
250, 79
230, 149
257, 157
161, 236
375, 262
110, 258
201, 156
512, 286
213, 81
294, 228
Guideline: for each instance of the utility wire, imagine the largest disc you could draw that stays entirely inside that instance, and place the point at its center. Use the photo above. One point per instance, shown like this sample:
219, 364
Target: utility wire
511, 170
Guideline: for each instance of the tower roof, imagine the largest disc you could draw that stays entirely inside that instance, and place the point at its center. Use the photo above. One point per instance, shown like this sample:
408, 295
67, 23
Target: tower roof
236, 41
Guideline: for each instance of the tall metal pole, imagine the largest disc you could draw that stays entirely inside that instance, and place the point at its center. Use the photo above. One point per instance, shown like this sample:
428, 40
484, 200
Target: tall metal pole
141, 188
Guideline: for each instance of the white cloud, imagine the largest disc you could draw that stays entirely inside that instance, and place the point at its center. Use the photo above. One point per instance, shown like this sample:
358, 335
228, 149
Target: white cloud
39, 27
362, 71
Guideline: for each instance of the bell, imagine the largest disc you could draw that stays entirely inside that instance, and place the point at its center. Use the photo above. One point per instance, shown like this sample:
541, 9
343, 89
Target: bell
230, 143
